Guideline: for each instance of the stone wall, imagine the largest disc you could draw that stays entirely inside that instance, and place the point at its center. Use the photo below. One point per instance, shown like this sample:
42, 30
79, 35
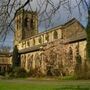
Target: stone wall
58, 50
72, 30
41, 38
55, 56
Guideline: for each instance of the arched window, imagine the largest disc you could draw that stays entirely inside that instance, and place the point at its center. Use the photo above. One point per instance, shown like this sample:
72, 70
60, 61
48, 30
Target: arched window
77, 48
40, 40
47, 37
33, 41
37, 60
78, 59
23, 61
30, 60
55, 35
31, 22
25, 21
28, 43
70, 54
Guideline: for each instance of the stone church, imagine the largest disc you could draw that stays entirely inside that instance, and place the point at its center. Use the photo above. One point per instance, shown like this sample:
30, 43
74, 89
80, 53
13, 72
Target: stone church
54, 50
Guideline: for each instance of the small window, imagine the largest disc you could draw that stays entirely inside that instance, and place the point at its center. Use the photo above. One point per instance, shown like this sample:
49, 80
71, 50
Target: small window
70, 53
31, 22
33, 41
77, 49
22, 45
55, 35
28, 44
25, 22
24, 57
31, 57
47, 37
40, 40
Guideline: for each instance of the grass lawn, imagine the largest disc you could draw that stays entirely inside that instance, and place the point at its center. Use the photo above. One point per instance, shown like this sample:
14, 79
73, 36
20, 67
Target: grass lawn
44, 85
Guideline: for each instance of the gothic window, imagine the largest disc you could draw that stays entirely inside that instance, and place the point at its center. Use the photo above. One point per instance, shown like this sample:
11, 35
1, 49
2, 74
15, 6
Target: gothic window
70, 54
29, 64
55, 35
47, 37
37, 60
43, 61
40, 40
31, 22
25, 22
28, 43
78, 59
24, 61
21, 56
23, 43
70, 51
31, 57
77, 49
41, 58
33, 41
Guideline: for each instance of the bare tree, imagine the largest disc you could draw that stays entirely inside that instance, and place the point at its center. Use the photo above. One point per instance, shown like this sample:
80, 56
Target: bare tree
46, 10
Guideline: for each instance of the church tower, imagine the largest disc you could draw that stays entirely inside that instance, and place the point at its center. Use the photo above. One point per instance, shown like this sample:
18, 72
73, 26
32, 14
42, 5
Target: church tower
26, 25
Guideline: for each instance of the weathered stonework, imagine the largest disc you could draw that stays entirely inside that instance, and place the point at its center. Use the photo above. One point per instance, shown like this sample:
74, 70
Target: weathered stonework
54, 51
5, 62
